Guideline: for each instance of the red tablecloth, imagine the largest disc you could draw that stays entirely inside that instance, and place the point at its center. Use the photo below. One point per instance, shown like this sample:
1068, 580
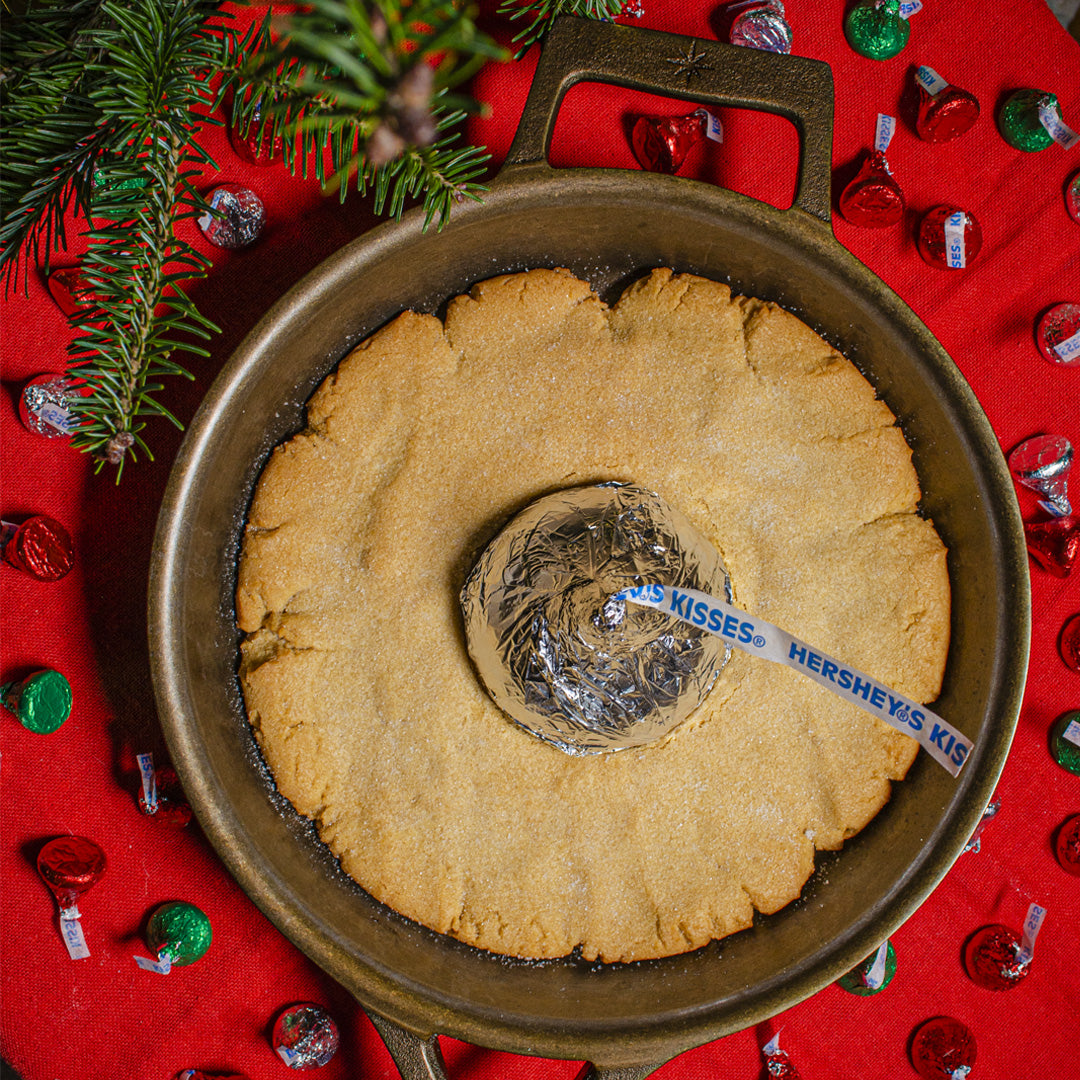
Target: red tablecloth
104, 1017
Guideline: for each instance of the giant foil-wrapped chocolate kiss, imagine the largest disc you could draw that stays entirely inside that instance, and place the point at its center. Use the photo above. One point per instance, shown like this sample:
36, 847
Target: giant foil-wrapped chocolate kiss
564, 657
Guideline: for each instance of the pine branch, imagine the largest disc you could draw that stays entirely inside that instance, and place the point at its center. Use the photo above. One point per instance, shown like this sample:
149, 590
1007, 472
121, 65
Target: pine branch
348, 89
541, 12
101, 108
441, 174
156, 55
49, 138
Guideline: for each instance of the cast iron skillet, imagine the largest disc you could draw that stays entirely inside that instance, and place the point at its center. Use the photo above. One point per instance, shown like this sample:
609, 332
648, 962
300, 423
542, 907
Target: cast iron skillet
608, 226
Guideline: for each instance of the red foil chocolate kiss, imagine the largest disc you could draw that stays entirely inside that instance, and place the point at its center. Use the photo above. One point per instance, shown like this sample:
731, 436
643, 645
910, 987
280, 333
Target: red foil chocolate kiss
873, 199
1072, 196
1069, 643
70, 865
1056, 333
778, 1067
943, 1049
1067, 845
72, 294
945, 115
661, 143
1054, 544
777, 1063
172, 807
258, 146
931, 240
991, 958
40, 547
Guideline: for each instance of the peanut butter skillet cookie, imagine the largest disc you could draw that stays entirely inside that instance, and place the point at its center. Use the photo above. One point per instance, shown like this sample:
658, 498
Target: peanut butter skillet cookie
421, 445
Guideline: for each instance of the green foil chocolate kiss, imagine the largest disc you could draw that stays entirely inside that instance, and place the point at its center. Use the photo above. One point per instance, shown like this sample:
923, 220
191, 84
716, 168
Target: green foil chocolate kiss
874, 29
42, 701
179, 931
1019, 121
856, 980
1065, 741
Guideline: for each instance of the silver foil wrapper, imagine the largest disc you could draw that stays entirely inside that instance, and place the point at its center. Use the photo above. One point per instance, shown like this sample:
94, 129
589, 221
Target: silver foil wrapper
1042, 463
559, 653
45, 406
305, 1036
763, 28
238, 218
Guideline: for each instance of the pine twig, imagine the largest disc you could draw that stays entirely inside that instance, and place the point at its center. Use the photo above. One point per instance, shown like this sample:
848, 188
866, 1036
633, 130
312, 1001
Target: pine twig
50, 137
101, 108
159, 53
541, 12
349, 90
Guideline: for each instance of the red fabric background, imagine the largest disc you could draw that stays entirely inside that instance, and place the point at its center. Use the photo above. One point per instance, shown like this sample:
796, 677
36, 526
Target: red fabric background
105, 1017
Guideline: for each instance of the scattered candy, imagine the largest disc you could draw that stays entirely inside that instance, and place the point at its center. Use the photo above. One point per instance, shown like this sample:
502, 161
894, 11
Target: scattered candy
1057, 333
305, 1036
1042, 463
873, 199
198, 1074
237, 220
1065, 741
949, 237
162, 796
70, 291
1054, 544
1021, 119
777, 1064
45, 405
943, 1049
39, 546
1069, 643
106, 180
875, 28
1072, 197
762, 27
41, 702
661, 143
258, 146
70, 865
1067, 845
993, 959
945, 112
988, 815
873, 974
178, 934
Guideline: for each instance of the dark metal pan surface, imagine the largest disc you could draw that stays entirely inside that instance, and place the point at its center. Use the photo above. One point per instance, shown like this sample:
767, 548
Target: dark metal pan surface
608, 227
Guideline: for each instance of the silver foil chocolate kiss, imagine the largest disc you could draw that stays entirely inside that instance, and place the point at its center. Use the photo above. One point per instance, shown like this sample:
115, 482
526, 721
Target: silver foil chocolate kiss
1042, 463
762, 26
559, 654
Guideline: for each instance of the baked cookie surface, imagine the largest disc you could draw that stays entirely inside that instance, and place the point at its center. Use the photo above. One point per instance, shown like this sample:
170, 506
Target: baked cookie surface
422, 444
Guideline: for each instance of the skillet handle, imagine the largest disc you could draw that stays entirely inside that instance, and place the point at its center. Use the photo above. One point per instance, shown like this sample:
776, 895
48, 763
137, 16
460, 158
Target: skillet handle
709, 72
625, 1072
418, 1058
